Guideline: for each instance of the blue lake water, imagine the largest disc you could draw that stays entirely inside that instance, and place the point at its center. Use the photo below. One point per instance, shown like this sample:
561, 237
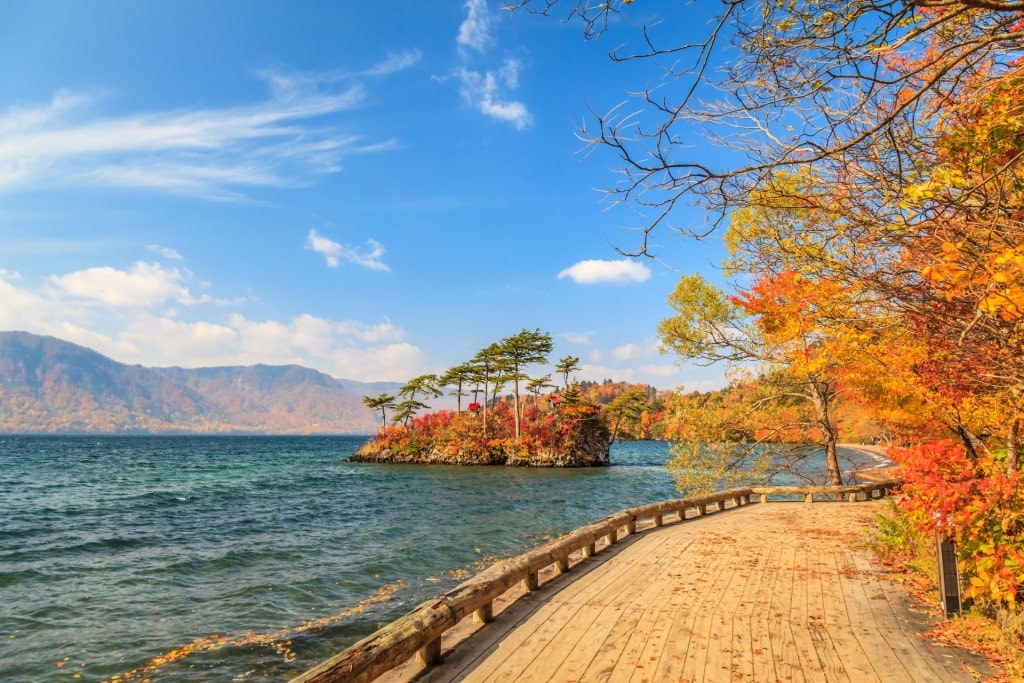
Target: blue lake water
252, 558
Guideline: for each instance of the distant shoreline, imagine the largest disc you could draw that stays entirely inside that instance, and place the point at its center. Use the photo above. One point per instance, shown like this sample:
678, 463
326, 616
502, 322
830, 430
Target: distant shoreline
889, 470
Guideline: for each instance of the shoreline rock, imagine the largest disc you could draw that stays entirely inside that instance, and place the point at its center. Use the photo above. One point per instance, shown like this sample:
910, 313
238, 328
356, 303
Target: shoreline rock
592, 454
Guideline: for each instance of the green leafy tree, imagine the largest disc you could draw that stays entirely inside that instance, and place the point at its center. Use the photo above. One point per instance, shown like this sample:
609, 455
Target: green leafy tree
566, 366
520, 350
405, 410
626, 409
381, 402
537, 386
485, 365
426, 386
457, 377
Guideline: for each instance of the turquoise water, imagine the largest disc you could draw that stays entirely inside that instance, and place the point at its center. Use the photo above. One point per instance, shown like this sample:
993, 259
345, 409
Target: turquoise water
253, 558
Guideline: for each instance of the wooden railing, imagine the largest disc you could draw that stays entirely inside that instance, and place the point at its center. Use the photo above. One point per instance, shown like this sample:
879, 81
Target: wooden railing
418, 633
852, 492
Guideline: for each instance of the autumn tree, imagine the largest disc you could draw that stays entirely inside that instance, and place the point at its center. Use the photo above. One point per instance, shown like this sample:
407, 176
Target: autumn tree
877, 154
714, 441
761, 328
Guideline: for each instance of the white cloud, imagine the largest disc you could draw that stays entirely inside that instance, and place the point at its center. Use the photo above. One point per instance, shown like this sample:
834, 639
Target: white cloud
595, 372
659, 370
474, 32
345, 349
648, 349
486, 93
582, 338
135, 329
143, 285
207, 153
166, 252
625, 352
334, 252
593, 271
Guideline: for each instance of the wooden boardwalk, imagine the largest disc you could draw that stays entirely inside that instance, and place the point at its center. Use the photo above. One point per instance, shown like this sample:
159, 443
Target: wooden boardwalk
779, 592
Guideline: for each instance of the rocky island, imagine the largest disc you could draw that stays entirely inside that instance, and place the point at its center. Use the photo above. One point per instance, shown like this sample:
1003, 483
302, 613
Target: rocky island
542, 430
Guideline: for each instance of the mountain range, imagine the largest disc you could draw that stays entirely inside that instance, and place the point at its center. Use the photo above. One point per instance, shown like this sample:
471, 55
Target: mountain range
48, 385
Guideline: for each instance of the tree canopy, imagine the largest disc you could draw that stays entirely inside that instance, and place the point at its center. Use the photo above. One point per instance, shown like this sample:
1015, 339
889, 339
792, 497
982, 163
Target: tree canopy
872, 202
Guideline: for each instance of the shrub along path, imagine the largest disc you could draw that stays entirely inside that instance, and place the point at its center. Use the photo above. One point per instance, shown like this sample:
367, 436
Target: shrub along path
778, 592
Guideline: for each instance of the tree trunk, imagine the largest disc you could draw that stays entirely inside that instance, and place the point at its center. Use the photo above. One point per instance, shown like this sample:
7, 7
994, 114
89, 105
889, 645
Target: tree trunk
516, 414
1013, 446
821, 397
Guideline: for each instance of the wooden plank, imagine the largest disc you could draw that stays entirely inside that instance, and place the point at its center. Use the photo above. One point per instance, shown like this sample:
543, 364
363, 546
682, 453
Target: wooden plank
820, 577
518, 651
891, 621
785, 655
616, 624
587, 645
700, 655
748, 658
840, 622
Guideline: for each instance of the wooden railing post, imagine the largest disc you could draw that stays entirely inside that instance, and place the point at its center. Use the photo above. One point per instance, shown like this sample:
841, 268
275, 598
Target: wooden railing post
430, 654
485, 614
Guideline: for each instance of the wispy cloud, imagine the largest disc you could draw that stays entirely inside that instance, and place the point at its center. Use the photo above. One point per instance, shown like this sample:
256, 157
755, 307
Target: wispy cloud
395, 62
485, 92
488, 90
474, 32
594, 271
208, 153
335, 252
166, 252
582, 338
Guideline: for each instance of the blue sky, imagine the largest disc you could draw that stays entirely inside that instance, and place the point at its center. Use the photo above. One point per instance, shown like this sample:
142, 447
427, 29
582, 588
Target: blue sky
374, 190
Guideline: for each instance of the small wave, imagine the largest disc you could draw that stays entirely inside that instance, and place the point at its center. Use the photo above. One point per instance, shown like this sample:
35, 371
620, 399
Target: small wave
280, 640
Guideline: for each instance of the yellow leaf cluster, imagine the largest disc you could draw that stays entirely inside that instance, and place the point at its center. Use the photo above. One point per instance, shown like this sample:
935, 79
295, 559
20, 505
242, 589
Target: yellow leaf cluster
994, 278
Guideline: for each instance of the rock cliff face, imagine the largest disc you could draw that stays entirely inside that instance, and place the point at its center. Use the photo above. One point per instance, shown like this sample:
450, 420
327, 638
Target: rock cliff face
592, 452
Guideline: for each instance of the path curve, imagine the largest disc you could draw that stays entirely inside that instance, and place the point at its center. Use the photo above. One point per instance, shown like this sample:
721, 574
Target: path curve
781, 592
